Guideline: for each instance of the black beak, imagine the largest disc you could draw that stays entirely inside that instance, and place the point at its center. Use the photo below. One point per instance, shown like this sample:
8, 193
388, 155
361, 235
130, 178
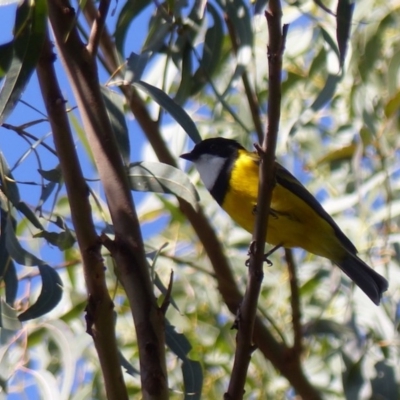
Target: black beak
187, 156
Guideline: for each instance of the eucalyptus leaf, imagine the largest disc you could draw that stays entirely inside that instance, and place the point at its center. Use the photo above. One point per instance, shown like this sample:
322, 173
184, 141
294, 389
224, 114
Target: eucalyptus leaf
50, 294
16, 251
29, 33
162, 178
176, 111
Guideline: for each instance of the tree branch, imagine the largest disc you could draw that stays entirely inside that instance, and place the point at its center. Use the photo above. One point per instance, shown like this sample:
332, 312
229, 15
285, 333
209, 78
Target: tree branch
97, 27
248, 309
133, 270
100, 308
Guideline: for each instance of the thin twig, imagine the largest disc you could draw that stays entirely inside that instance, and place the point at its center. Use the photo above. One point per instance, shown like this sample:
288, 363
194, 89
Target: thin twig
244, 338
295, 303
97, 27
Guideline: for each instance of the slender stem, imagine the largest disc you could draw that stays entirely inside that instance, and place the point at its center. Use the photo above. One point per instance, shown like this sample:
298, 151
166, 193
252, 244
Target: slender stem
248, 308
97, 27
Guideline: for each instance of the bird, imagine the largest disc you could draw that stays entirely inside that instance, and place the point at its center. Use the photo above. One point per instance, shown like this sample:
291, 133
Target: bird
296, 219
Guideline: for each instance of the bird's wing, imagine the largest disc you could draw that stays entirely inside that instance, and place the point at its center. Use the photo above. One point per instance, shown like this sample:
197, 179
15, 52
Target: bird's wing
289, 182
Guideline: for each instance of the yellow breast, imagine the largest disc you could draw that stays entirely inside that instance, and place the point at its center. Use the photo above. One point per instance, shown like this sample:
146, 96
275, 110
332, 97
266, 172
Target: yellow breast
293, 223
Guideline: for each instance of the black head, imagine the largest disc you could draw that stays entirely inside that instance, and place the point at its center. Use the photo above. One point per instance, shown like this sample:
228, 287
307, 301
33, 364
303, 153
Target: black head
219, 147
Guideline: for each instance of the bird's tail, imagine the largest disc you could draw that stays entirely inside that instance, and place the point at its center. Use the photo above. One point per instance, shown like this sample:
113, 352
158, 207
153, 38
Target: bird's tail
369, 281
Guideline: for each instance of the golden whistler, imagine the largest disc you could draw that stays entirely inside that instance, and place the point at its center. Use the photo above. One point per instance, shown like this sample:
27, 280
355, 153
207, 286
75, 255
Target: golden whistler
296, 219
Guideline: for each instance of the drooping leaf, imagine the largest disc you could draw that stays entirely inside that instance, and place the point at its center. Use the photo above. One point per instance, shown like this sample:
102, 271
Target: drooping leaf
50, 294
192, 379
16, 251
159, 29
11, 282
115, 110
185, 84
29, 33
129, 368
329, 40
7, 181
6, 53
211, 52
344, 14
177, 342
135, 66
63, 240
52, 175
327, 92
384, 385
191, 370
127, 15
176, 111
162, 178
23, 208
352, 377
9, 319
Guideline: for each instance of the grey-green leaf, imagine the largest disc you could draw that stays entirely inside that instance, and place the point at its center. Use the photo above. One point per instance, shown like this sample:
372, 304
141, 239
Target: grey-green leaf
115, 109
9, 319
176, 111
344, 14
162, 178
16, 251
30, 29
327, 92
49, 296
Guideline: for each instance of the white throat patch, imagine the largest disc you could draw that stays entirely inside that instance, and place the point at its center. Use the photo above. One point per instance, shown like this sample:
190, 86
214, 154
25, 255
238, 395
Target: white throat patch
209, 168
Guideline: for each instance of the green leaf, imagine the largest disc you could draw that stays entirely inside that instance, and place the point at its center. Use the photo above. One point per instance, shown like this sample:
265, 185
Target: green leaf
211, 52
30, 29
344, 14
325, 327
49, 296
114, 103
29, 214
16, 251
128, 13
52, 175
186, 80
159, 30
384, 385
6, 55
135, 66
176, 111
327, 92
129, 368
352, 377
11, 282
191, 370
63, 240
162, 178
177, 342
192, 379
9, 319
329, 40
7, 181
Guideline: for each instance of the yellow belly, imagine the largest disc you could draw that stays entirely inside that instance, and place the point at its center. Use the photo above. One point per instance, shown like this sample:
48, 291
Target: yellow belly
295, 223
